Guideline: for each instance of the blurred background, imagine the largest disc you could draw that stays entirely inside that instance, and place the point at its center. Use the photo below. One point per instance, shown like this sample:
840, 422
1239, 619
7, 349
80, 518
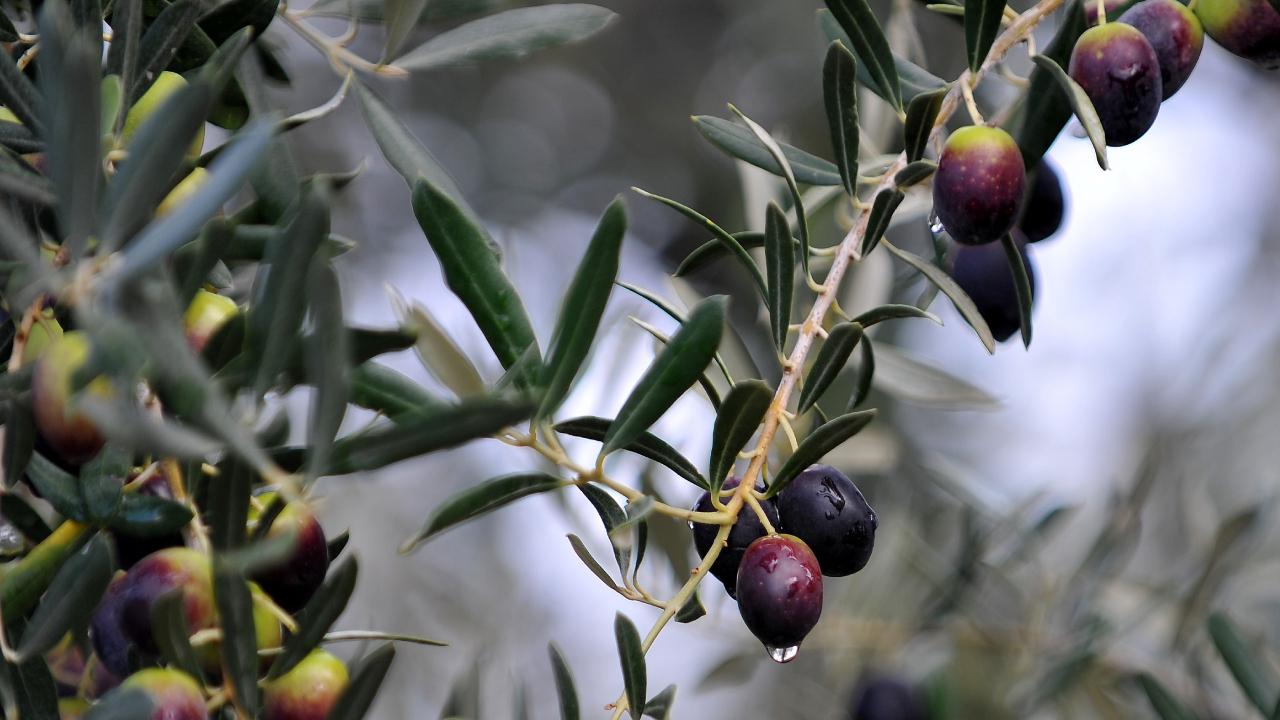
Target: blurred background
1051, 520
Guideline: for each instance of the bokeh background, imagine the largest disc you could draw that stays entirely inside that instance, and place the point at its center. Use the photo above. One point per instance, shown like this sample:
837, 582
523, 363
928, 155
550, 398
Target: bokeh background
1155, 366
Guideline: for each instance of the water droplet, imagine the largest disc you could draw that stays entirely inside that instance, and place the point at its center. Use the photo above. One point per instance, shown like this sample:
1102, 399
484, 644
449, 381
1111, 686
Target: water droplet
935, 225
783, 654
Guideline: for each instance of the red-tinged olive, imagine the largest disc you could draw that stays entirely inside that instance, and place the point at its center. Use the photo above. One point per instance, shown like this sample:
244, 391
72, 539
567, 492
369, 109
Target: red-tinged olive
292, 581
308, 691
780, 593
1118, 69
745, 530
68, 432
978, 187
174, 695
983, 273
1247, 28
206, 314
1175, 34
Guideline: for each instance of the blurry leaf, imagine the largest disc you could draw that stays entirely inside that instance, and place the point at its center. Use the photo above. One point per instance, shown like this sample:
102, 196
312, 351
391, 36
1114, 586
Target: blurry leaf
910, 380
1021, 283
1162, 701
227, 509
437, 351
8, 33
149, 516
482, 499
19, 95
732, 671
363, 688
161, 41
194, 262
169, 627
779, 263
981, 26
737, 141
122, 57
893, 312
111, 104
868, 40
102, 482
126, 423
24, 517
730, 243
659, 706
584, 555
381, 389
922, 113
400, 18
510, 34
19, 438
473, 273
912, 78
612, 516
675, 314
232, 16
37, 694
882, 210
915, 173
704, 381
645, 445
949, 287
582, 308
56, 487
121, 704
821, 441
1251, 673
829, 362
337, 544
1080, 105
1046, 110
564, 684
691, 610
634, 672
677, 367
328, 363
840, 93
739, 417
620, 534
70, 600
426, 430
239, 643
797, 200
321, 612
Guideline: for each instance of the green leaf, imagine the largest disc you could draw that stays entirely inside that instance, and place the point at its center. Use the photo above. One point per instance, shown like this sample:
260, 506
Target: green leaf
227, 508
779, 264
676, 314
949, 287
893, 312
821, 441
677, 367
111, 104
830, 360
239, 643
1080, 105
1045, 111
1250, 672
19, 438
508, 35
8, 33
915, 173
328, 363
121, 704
645, 445
981, 26
169, 627
473, 273
708, 387
37, 694
840, 93
737, 141
363, 688
731, 244
379, 388
1018, 265
564, 684
913, 79
126, 423
164, 37
634, 673
580, 549
612, 516
70, 600
102, 482
24, 517
482, 499
911, 380
922, 113
401, 17
321, 612
437, 351
739, 417
691, 611
1162, 701
21, 96
797, 200
122, 57
659, 706
882, 210
620, 534
712, 250
56, 487
582, 308
867, 39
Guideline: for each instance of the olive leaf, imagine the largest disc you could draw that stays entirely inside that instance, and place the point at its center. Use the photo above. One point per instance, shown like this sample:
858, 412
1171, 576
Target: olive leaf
1046, 110
913, 79
981, 26
481, 499
1163, 701
1081, 105
239, 644
1018, 265
363, 688
634, 672
1256, 680
720, 234
922, 113
645, 445
830, 360
71, 599
737, 141
322, 611
797, 200
779, 263
882, 209
915, 173
962, 301
564, 684
867, 39
821, 441
739, 417
840, 94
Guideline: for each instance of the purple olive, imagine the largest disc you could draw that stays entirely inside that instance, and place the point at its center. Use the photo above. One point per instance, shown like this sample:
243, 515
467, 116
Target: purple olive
1119, 71
745, 531
983, 273
1175, 34
1248, 28
823, 507
780, 593
1045, 204
978, 187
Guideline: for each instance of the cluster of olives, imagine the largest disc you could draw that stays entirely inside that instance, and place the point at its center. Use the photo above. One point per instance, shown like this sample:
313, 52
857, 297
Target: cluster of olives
828, 529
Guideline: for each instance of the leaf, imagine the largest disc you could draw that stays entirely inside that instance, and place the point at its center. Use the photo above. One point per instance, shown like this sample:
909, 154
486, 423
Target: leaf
915, 173
631, 652
1253, 677
1021, 283
482, 499
737, 141
8, 33
913, 381
161, 41
102, 482
675, 314
322, 611
437, 351
564, 684
981, 26
126, 423
779, 263
383, 390
677, 367
1162, 701
169, 627
328, 363
797, 200
19, 438
691, 611
510, 34
645, 445
922, 113
730, 243
821, 441
659, 706
739, 417
19, 95
401, 18
840, 94
426, 430
239, 643
882, 209
866, 373
121, 704
830, 360
913, 79
56, 487
122, 56
24, 517
472, 272
70, 600
881, 313
1045, 110
582, 308
868, 40
228, 506
37, 693
949, 287
1080, 105
612, 516
585, 556
363, 688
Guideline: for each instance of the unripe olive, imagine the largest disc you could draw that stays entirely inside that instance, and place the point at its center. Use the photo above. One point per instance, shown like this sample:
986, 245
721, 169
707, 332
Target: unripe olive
44, 331
823, 507
1248, 28
308, 691
166, 84
978, 188
1175, 34
67, 431
780, 593
206, 314
72, 708
745, 530
174, 694
182, 191
1118, 69
292, 581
